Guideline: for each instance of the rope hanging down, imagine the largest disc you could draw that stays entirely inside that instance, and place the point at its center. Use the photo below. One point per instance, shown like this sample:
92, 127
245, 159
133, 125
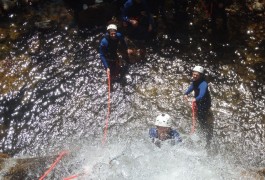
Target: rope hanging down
108, 115
74, 176
194, 109
63, 153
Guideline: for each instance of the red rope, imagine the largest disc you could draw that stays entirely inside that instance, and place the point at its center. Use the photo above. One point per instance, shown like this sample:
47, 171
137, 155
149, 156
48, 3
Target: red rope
194, 109
108, 115
74, 176
63, 153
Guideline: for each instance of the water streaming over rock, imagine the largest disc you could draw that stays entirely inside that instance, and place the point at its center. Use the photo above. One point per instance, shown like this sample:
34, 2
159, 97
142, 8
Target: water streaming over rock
54, 97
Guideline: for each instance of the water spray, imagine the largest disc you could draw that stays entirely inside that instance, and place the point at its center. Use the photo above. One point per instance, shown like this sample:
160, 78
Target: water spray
194, 109
63, 153
108, 114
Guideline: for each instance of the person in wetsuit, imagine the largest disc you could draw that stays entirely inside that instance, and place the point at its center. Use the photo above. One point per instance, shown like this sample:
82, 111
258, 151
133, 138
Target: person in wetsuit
137, 19
109, 45
202, 99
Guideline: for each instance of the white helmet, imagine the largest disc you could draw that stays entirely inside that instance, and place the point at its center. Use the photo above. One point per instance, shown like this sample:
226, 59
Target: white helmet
198, 69
163, 120
112, 26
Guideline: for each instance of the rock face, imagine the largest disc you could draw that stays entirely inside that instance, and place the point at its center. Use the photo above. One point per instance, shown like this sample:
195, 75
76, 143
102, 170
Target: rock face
18, 168
96, 15
7, 5
258, 6
87, 13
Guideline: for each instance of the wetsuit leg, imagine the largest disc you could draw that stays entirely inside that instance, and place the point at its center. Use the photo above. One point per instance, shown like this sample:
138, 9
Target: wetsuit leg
205, 118
115, 69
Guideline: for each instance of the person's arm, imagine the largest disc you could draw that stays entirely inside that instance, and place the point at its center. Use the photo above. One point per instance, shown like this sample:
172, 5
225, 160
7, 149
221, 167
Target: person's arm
189, 90
125, 10
203, 88
152, 133
102, 49
177, 137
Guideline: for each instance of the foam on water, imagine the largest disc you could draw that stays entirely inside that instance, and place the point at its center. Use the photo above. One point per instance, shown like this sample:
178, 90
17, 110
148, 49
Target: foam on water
138, 158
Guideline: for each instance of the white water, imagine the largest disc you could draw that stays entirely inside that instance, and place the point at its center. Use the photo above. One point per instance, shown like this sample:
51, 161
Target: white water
137, 158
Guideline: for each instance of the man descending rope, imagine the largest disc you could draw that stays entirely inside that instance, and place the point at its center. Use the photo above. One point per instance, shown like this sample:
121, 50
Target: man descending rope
109, 45
202, 99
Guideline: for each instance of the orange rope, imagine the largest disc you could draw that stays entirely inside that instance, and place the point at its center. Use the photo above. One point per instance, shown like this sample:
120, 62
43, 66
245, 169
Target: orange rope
74, 176
108, 115
63, 153
194, 109
71, 177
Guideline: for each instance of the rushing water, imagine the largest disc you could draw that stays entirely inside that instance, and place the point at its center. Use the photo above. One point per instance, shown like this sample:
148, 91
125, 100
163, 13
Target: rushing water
54, 97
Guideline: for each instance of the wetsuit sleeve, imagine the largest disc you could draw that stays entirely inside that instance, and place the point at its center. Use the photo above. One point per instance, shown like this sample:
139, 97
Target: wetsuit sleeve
189, 89
125, 10
152, 133
203, 89
177, 137
102, 49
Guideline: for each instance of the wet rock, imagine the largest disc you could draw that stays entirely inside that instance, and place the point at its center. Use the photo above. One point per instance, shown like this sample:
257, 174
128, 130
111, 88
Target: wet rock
255, 6
44, 24
3, 34
98, 14
261, 172
258, 6
19, 168
255, 174
14, 32
4, 156
6, 5
79, 5
29, 2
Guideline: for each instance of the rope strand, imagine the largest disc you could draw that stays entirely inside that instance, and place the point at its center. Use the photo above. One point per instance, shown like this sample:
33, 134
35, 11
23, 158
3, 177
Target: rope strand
63, 153
74, 176
194, 108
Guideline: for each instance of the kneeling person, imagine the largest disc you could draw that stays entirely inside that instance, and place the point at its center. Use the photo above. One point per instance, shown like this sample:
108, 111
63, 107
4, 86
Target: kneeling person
163, 131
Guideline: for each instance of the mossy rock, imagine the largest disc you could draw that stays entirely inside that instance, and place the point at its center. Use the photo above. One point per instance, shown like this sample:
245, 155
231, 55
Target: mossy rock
13, 168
